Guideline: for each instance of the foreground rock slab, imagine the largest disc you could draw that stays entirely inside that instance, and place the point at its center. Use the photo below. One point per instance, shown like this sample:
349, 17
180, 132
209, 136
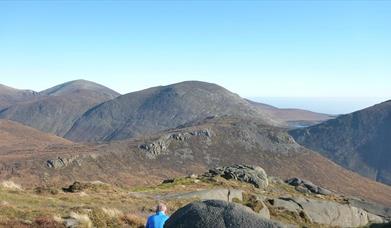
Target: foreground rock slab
326, 212
218, 214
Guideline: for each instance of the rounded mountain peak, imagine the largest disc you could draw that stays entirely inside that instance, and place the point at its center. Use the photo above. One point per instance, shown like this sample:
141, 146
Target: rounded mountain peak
77, 85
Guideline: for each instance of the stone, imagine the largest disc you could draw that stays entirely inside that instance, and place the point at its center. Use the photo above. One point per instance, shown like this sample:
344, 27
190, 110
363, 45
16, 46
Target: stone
325, 212
254, 175
374, 208
218, 214
286, 204
305, 186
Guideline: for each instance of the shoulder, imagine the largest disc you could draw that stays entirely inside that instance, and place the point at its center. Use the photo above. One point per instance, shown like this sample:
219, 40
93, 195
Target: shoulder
151, 217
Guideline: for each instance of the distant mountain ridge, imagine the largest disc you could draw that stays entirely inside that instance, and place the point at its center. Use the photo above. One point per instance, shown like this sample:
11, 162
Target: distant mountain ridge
360, 141
82, 110
56, 109
161, 108
9, 96
294, 117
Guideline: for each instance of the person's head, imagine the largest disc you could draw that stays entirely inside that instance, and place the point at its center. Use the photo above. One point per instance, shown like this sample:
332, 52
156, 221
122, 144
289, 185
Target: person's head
161, 207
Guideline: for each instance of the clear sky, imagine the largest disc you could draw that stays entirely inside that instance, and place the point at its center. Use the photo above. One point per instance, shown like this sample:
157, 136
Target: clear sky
255, 48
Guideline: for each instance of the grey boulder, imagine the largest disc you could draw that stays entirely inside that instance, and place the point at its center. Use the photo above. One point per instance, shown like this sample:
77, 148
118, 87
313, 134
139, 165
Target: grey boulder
218, 214
254, 175
306, 186
326, 212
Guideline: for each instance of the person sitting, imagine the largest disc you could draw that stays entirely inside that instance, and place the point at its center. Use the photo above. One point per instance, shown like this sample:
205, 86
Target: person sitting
157, 220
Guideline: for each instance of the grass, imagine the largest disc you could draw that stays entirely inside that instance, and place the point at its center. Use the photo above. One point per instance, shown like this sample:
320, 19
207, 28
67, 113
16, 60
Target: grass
110, 206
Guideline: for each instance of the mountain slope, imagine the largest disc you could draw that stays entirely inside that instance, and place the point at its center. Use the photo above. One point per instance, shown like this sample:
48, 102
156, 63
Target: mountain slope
15, 137
57, 108
294, 118
160, 108
360, 141
9, 96
190, 149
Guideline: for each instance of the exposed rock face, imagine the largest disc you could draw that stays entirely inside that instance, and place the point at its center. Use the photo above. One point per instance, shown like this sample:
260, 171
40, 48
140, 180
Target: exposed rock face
218, 214
326, 212
160, 146
359, 141
60, 162
254, 175
307, 186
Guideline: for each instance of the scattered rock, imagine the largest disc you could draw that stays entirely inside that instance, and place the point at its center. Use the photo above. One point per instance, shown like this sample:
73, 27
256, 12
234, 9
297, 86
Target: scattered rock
75, 187
10, 185
218, 214
80, 186
75, 220
254, 175
306, 186
167, 181
193, 176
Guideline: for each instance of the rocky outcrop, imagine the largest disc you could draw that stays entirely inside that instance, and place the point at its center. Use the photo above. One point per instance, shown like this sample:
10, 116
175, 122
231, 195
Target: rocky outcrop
370, 207
325, 212
160, 146
306, 186
218, 214
60, 162
254, 175
81, 186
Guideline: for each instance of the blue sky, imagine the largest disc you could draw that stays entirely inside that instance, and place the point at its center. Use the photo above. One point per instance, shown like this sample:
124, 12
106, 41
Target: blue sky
290, 49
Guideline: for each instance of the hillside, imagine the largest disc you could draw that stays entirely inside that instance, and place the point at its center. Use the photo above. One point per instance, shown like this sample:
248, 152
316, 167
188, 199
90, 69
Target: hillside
293, 118
86, 204
359, 141
16, 137
190, 149
159, 108
56, 109
9, 96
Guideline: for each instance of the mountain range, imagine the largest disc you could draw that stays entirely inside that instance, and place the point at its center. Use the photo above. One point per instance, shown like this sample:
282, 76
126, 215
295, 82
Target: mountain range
54, 110
74, 108
81, 130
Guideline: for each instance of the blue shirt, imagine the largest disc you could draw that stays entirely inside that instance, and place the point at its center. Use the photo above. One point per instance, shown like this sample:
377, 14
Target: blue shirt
157, 220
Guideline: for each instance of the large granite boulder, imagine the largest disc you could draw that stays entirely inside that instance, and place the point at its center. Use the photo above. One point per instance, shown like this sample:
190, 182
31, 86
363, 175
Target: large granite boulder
218, 214
374, 208
254, 175
326, 212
